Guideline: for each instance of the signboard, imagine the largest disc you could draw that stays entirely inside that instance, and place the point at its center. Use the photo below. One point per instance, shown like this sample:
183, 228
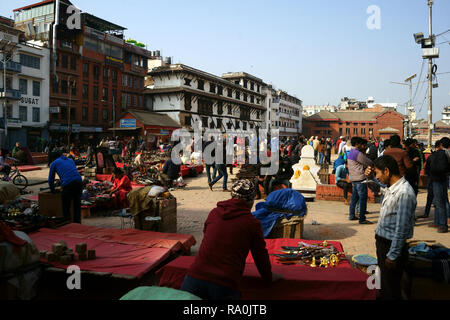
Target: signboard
76, 128
164, 131
29, 101
54, 109
128, 123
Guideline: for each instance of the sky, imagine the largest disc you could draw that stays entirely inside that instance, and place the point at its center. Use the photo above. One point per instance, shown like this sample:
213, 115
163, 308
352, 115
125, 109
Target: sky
320, 51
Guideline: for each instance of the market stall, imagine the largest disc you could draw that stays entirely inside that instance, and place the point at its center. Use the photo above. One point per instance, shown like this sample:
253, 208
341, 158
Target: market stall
301, 282
122, 260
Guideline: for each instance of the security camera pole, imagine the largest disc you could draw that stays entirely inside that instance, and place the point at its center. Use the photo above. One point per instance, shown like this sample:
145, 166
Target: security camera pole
430, 81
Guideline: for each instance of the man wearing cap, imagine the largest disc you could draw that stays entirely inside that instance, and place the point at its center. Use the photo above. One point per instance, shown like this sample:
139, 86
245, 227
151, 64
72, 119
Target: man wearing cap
230, 232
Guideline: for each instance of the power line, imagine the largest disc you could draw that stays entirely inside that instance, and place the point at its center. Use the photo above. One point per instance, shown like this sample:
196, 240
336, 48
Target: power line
440, 34
418, 83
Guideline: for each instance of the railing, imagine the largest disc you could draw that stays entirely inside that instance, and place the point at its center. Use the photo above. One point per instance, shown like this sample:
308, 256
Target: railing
12, 66
10, 94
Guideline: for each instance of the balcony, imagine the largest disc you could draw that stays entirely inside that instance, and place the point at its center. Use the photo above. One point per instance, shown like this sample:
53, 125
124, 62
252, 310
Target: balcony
10, 94
12, 66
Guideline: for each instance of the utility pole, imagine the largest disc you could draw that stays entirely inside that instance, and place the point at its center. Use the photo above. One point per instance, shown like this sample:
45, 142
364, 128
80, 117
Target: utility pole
430, 80
407, 129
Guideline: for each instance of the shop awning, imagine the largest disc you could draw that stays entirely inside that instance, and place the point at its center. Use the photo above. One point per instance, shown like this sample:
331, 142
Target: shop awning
124, 129
154, 119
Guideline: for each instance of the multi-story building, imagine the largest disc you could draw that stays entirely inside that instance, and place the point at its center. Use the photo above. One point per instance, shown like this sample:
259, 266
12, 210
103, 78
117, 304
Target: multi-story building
96, 75
354, 123
313, 109
27, 84
232, 102
286, 112
351, 104
446, 115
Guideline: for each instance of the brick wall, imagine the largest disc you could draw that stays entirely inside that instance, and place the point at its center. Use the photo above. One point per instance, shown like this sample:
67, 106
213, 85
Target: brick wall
331, 192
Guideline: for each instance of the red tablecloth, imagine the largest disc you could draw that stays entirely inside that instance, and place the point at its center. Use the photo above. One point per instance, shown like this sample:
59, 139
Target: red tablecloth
299, 283
127, 252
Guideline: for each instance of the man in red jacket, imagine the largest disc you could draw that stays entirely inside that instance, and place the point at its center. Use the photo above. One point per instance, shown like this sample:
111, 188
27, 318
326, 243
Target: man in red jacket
230, 232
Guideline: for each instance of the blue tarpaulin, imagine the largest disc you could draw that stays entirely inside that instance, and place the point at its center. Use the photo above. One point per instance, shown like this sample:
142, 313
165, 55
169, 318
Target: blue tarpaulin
283, 203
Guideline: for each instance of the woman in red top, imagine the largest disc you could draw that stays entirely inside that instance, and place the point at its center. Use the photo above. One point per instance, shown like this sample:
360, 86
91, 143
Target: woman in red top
120, 189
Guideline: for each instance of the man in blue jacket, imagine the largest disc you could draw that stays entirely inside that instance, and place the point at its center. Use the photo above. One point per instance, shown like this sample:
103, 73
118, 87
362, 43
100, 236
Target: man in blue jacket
70, 181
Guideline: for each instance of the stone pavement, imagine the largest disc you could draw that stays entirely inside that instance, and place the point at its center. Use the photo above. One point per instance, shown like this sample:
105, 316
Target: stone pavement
196, 201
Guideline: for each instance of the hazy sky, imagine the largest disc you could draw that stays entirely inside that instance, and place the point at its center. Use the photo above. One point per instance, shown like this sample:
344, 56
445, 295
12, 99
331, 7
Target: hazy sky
318, 50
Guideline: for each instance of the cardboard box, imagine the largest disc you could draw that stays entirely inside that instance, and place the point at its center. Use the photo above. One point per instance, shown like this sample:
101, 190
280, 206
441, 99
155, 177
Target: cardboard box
50, 205
166, 209
288, 229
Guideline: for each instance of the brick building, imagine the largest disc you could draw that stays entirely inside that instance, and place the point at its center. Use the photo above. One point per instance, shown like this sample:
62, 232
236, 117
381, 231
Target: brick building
354, 123
98, 75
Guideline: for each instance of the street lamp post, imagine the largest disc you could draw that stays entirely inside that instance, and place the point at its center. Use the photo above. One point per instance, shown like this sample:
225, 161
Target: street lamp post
8, 52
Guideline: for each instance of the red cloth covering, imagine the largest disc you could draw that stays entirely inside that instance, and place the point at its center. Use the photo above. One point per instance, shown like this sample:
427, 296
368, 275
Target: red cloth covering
119, 198
28, 168
127, 252
7, 235
299, 283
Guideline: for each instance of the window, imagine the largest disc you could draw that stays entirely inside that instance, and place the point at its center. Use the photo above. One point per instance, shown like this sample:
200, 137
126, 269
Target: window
9, 83
135, 101
244, 125
96, 72
64, 86
23, 86
30, 61
219, 123
237, 124
187, 82
347, 131
205, 122
86, 70
105, 74
230, 93
36, 114
252, 99
245, 83
64, 61
220, 90
236, 82
23, 114
96, 93
200, 85
85, 91
245, 97
114, 96
245, 113
355, 131
114, 76
105, 94
64, 113
9, 111
84, 114
219, 108
355, 124
211, 124
370, 124
340, 131
230, 110
363, 131
229, 124
95, 114
238, 95
347, 123
258, 114
55, 86
252, 86
204, 107
257, 87
73, 114
187, 120
73, 63
188, 101
105, 115
73, 89
36, 88
212, 88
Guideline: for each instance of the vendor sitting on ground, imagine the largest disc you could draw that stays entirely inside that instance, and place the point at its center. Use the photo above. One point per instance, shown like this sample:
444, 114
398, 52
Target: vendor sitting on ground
74, 151
120, 189
170, 172
139, 162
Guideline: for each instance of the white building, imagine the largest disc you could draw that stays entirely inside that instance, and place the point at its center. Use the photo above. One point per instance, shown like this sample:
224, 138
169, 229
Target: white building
387, 105
287, 114
232, 102
313, 109
27, 90
446, 115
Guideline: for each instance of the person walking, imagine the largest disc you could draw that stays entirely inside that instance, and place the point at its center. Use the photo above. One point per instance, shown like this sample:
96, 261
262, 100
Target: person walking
222, 169
210, 162
357, 163
341, 180
315, 145
395, 226
414, 155
321, 151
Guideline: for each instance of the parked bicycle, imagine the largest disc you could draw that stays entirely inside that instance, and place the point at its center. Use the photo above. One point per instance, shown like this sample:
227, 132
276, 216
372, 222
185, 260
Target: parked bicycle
18, 179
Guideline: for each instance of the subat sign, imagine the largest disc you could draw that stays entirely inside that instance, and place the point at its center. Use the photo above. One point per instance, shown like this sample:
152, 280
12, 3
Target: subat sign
29, 100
